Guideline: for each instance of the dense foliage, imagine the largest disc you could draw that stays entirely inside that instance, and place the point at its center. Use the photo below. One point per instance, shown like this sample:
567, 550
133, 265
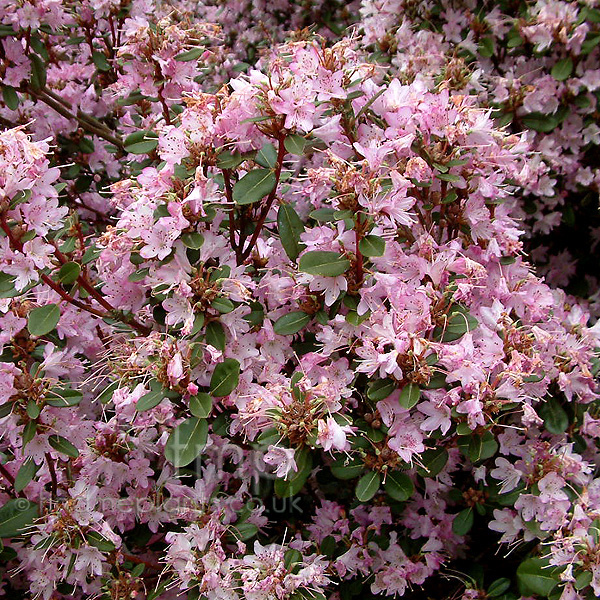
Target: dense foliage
297, 300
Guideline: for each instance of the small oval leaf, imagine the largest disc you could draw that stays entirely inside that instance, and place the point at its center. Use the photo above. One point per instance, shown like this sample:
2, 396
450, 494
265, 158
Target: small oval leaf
225, 378
43, 319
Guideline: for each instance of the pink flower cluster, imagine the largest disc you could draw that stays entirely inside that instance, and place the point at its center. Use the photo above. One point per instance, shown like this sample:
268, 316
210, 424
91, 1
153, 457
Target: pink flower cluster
279, 338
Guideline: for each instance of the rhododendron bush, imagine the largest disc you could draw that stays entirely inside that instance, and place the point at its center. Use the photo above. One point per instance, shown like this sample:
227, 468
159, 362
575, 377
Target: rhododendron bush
268, 320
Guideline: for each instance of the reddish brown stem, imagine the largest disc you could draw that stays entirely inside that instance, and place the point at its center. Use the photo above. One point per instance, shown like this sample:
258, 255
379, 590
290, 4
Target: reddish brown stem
270, 199
52, 471
16, 244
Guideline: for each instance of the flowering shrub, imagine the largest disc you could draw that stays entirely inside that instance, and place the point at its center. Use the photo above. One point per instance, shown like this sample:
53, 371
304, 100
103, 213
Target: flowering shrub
536, 65
277, 338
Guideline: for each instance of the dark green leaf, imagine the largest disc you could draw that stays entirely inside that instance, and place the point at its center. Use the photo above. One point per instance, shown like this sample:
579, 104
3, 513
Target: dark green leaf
101, 61
267, 156
63, 397
215, 335
555, 418
434, 460
38, 72
192, 240
186, 441
7, 286
498, 587
409, 395
368, 486
290, 228
372, 245
294, 144
43, 319
457, 324
223, 305
227, 160
487, 47
69, 272
463, 522
534, 577
99, 541
193, 54
153, 398
10, 96
399, 486
539, 122
562, 69
253, 186
347, 469
201, 405
291, 323
323, 262
15, 516
380, 389
63, 445
225, 378
25, 474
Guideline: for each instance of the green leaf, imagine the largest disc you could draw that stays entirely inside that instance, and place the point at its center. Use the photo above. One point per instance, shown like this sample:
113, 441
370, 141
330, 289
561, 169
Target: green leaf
399, 486
487, 47
498, 587
433, 461
153, 398
101, 62
323, 262
555, 418
7, 286
63, 397
479, 447
63, 445
294, 144
33, 410
15, 516
186, 441
192, 240
10, 97
29, 432
409, 395
223, 305
534, 577
463, 522
380, 389
323, 214
193, 54
227, 160
347, 469
267, 156
291, 323
244, 531
225, 378
290, 228
457, 324
99, 541
562, 69
25, 474
269, 437
368, 486
69, 272
253, 186
43, 319
201, 405
141, 142
215, 335
539, 122
38, 72
372, 245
